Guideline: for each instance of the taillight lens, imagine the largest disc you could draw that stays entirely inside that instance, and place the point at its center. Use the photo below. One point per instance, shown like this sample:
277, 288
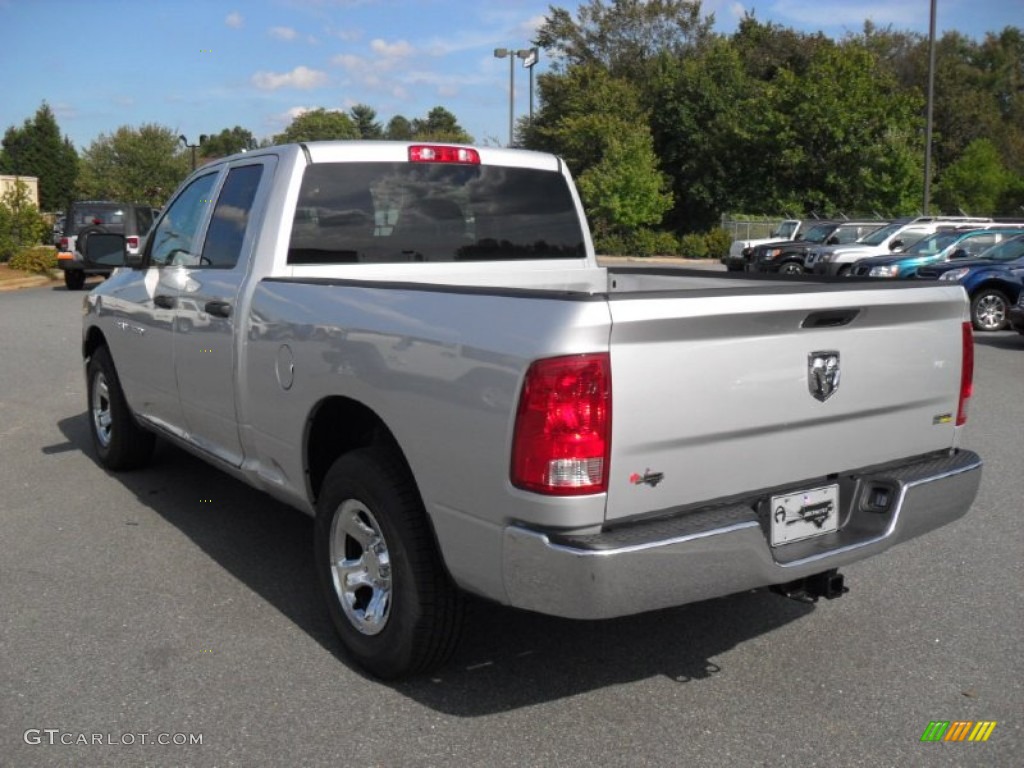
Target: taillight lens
562, 440
966, 374
133, 242
63, 243
429, 153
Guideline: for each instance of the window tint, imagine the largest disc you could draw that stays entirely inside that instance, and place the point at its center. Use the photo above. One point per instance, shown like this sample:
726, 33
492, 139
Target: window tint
110, 217
173, 239
1006, 251
230, 217
974, 245
143, 220
932, 244
402, 212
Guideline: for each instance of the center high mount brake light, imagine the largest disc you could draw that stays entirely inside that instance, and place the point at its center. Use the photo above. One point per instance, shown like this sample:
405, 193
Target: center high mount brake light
430, 153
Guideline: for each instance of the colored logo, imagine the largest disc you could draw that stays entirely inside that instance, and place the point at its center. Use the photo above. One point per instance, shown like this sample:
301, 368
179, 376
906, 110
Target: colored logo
958, 730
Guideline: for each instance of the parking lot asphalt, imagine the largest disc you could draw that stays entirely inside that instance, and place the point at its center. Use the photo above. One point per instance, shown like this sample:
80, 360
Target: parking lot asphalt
175, 600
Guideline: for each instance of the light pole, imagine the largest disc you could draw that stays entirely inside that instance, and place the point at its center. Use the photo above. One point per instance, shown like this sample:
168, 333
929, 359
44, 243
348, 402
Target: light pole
184, 141
928, 120
512, 55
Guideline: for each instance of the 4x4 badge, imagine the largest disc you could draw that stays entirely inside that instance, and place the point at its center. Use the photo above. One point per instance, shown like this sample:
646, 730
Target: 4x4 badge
823, 374
647, 478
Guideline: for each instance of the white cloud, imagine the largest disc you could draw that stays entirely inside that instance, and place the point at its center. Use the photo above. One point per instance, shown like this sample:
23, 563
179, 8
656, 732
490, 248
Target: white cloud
302, 78
64, 111
528, 28
283, 33
399, 49
348, 34
467, 42
352, 63
234, 20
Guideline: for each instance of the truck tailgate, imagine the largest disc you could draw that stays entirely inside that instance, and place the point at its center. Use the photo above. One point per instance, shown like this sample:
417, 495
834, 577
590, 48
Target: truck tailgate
711, 387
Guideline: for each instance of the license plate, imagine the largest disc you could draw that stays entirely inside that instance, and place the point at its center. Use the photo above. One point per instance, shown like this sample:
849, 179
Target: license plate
801, 515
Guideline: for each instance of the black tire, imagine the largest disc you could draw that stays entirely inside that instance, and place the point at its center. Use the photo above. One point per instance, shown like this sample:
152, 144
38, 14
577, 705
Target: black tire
369, 491
74, 279
791, 268
119, 441
843, 270
990, 310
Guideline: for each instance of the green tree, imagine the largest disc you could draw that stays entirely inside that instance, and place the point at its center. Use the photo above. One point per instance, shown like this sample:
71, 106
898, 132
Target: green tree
580, 109
365, 119
318, 125
623, 35
845, 135
21, 224
134, 165
703, 110
976, 182
439, 125
625, 190
227, 142
36, 149
596, 123
399, 129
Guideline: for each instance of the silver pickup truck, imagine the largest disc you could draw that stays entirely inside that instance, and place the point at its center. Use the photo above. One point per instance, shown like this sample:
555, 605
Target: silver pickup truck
416, 344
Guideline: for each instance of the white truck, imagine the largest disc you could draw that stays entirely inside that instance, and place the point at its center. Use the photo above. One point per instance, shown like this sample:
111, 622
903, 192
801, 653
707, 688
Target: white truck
415, 344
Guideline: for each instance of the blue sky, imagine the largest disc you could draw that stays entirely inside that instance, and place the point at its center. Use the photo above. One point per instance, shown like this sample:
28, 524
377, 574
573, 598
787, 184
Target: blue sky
199, 66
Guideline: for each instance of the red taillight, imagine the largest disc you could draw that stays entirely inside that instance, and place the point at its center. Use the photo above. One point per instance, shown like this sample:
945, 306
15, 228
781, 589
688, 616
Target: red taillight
63, 243
966, 374
133, 242
429, 153
562, 440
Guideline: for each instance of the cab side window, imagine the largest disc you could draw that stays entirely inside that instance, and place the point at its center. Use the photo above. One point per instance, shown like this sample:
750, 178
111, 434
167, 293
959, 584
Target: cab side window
230, 217
174, 239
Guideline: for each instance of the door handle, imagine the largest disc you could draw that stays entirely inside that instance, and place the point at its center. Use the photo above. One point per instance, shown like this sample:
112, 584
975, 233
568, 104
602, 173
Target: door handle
830, 318
163, 301
218, 308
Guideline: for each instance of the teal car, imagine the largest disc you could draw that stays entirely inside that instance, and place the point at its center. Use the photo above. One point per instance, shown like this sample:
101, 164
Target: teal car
945, 245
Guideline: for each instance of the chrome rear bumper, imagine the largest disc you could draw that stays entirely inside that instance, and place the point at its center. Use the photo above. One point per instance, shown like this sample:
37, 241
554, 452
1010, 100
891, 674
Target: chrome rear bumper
725, 549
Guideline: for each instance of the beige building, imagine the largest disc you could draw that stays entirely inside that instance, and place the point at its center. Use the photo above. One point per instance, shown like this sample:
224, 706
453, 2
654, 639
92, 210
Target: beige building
8, 183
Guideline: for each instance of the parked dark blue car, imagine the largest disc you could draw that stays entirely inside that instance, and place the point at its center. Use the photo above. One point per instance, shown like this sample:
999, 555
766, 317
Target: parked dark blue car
994, 281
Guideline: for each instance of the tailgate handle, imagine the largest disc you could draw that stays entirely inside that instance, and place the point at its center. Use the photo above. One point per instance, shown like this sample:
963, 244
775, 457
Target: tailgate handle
830, 318
218, 308
163, 301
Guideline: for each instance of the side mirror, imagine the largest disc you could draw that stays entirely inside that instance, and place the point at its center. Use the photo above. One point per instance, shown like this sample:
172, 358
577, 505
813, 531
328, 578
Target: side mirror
833, 240
959, 253
895, 245
105, 249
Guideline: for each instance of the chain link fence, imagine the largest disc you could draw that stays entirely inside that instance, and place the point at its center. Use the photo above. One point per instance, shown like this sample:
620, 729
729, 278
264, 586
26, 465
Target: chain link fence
749, 228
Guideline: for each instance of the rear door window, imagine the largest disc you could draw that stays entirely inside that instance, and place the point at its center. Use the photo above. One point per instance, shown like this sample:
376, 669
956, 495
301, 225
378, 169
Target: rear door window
403, 212
231, 217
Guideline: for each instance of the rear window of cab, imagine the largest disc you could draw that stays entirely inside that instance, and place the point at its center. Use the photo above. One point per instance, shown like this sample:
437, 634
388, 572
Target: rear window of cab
394, 212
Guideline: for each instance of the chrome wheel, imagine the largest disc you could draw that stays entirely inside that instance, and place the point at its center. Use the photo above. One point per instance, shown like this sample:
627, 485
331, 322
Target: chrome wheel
360, 567
990, 312
102, 418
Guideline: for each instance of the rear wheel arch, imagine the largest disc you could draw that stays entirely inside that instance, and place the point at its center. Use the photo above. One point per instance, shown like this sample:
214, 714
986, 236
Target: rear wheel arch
336, 426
